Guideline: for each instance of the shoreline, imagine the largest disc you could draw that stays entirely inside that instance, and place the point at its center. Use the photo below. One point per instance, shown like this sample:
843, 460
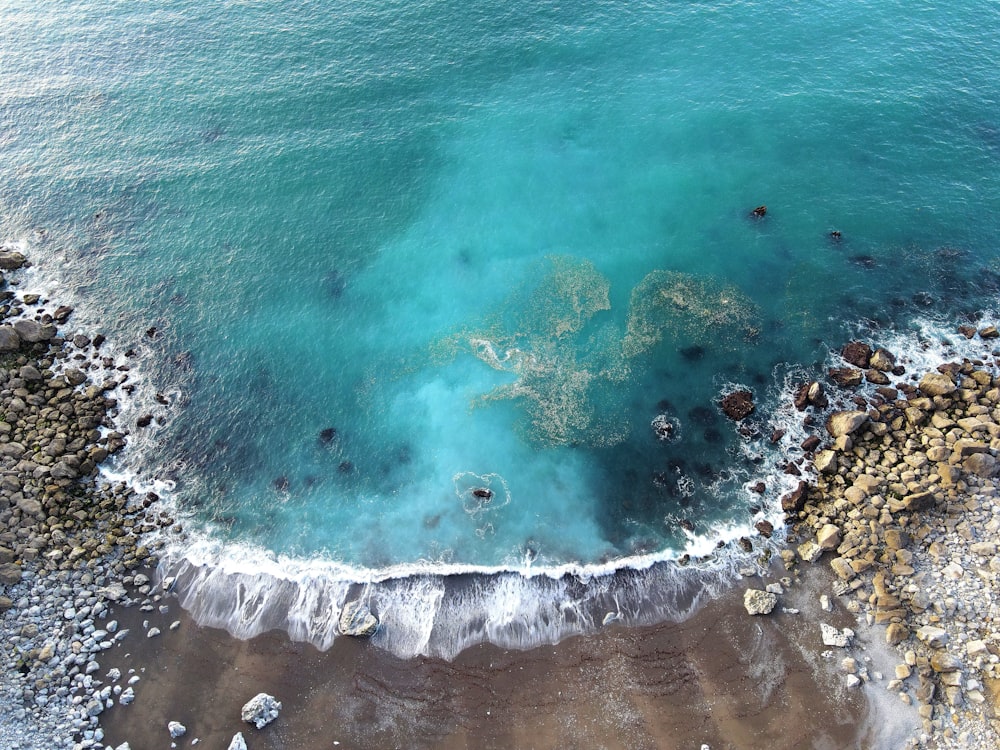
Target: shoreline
89, 627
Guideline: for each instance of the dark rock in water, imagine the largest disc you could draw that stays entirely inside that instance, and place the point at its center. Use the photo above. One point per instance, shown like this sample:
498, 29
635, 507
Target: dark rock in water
483, 493
357, 620
801, 398
151, 332
99, 340
777, 435
161, 399
792, 469
280, 484
11, 260
877, 377
745, 544
144, 421
62, 313
835, 235
327, 435
737, 405
686, 524
759, 213
857, 353
334, 284
766, 528
967, 331
345, 467
989, 332
845, 377
663, 427
693, 353
759, 488
865, 261
793, 502
923, 299
811, 443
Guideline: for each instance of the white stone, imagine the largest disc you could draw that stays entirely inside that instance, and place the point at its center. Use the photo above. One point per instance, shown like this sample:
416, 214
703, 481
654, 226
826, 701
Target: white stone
834, 637
825, 604
933, 636
238, 743
952, 571
176, 729
853, 681
261, 710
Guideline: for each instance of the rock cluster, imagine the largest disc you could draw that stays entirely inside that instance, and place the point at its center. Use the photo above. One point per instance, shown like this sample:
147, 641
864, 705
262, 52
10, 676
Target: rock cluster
905, 511
70, 543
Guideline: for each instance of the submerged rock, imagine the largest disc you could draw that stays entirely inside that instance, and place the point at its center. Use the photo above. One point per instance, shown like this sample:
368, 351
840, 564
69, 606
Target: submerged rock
357, 620
260, 710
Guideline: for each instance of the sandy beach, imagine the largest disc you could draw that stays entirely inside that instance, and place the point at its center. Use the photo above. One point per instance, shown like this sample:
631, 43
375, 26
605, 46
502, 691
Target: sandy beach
721, 679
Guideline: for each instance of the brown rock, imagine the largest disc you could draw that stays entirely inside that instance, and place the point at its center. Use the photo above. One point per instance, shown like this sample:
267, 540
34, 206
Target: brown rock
10, 573
882, 360
764, 528
876, 377
989, 332
845, 377
793, 501
896, 633
737, 405
937, 384
811, 443
980, 464
857, 353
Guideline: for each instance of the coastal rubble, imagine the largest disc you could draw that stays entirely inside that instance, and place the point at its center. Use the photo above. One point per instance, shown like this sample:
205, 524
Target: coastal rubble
902, 504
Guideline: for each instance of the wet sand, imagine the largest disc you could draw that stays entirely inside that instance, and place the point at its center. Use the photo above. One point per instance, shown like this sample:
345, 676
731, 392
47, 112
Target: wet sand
721, 678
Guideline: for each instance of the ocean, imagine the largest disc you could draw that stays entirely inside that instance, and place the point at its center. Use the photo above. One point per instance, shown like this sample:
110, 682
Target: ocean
432, 304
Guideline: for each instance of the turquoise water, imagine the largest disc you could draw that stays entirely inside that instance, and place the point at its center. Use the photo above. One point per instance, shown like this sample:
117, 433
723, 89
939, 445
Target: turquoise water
398, 252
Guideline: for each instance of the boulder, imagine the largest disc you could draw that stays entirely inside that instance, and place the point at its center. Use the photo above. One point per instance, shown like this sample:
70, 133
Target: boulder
10, 573
357, 620
857, 353
238, 743
896, 633
825, 462
845, 422
845, 377
980, 464
933, 636
792, 502
11, 260
809, 551
882, 360
936, 384
9, 340
32, 331
737, 405
260, 710
942, 661
828, 537
759, 602
176, 729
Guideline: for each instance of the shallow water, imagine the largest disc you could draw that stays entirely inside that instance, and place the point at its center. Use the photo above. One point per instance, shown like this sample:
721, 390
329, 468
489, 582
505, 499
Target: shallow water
398, 253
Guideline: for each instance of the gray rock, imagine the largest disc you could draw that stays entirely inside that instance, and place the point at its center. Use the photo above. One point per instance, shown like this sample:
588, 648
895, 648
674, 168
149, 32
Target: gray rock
980, 464
759, 602
238, 743
933, 636
9, 340
357, 620
260, 710
176, 729
32, 331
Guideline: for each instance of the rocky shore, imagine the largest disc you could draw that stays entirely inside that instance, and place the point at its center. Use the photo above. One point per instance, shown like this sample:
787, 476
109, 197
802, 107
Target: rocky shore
71, 544
903, 507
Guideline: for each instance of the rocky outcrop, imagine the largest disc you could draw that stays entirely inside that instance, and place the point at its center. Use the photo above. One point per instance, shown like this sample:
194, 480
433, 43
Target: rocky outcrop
737, 405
